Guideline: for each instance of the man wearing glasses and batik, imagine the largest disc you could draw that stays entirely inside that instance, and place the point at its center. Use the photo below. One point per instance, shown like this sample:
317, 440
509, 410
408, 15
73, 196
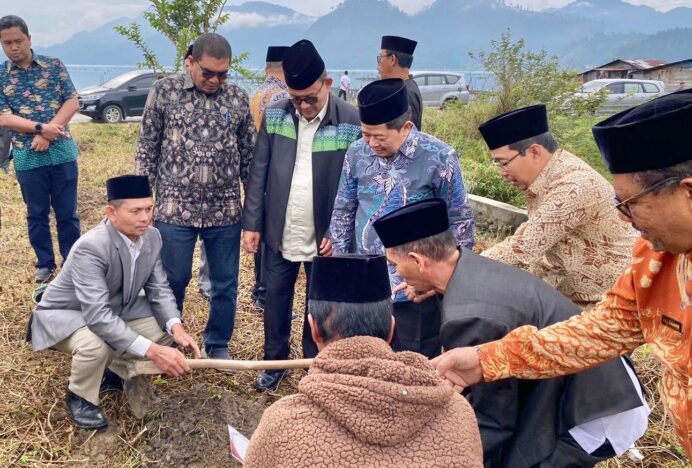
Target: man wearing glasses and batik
573, 238
195, 144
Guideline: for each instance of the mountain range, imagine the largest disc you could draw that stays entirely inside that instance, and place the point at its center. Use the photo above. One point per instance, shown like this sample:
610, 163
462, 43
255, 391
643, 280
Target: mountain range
583, 33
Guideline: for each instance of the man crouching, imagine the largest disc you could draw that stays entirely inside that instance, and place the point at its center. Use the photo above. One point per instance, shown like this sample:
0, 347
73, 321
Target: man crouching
94, 311
361, 403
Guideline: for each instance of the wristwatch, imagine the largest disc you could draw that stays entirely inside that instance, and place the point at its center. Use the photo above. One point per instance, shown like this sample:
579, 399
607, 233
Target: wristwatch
38, 128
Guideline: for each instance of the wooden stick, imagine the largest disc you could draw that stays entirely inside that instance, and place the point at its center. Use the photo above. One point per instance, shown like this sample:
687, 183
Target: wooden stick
136, 368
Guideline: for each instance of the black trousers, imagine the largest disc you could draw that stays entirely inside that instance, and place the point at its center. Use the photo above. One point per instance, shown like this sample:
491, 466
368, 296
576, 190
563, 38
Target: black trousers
417, 327
569, 454
280, 279
259, 290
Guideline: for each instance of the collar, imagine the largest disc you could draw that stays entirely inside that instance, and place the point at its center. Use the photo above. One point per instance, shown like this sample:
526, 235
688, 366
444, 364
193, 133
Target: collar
319, 117
137, 245
538, 185
34, 59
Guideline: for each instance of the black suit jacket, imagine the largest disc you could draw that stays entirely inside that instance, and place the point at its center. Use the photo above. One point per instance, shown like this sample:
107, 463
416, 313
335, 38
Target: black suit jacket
520, 420
271, 171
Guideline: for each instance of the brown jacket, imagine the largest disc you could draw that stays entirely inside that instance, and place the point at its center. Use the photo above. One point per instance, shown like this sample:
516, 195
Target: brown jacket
364, 405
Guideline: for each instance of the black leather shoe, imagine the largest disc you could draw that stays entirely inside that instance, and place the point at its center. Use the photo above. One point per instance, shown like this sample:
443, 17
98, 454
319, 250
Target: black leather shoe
111, 382
268, 381
84, 415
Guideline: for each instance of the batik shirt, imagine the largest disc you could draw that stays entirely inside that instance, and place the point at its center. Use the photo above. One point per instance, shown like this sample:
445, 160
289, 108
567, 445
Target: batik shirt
573, 238
650, 303
371, 186
196, 149
272, 90
37, 93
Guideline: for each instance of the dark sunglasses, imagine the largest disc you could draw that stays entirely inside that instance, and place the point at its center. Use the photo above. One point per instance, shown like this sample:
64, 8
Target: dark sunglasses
208, 74
624, 205
309, 100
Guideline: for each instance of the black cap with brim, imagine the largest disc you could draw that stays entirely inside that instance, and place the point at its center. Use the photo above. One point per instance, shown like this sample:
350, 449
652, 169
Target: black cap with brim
350, 278
412, 222
302, 65
515, 126
382, 101
127, 187
398, 44
276, 53
653, 135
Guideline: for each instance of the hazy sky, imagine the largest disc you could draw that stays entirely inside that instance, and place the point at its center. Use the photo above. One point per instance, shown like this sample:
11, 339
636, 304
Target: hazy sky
54, 21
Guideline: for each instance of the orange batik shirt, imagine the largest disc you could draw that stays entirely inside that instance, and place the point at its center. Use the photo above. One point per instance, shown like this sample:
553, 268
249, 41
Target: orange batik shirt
650, 303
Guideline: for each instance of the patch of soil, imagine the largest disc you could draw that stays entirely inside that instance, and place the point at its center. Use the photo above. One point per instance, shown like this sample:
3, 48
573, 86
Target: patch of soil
190, 429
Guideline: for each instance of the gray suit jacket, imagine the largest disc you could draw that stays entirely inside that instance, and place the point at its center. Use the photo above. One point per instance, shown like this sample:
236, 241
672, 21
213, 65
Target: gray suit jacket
93, 290
521, 420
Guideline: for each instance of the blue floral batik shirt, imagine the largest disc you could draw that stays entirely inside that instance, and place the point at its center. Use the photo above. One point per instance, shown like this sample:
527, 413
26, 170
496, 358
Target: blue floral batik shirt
371, 186
37, 93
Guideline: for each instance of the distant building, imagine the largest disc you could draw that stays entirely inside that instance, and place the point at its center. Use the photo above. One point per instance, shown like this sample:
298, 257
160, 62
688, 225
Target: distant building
672, 74
621, 68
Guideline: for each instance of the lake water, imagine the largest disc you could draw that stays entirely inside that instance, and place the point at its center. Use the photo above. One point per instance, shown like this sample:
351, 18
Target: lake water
91, 75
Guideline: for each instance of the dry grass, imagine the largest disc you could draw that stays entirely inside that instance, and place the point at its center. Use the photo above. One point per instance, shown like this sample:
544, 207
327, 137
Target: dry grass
34, 429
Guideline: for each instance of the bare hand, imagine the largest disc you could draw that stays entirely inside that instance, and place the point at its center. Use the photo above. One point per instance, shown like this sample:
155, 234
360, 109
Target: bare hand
171, 361
51, 131
326, 247
251, 240
412, 294
181, 337
40, 143
459, 367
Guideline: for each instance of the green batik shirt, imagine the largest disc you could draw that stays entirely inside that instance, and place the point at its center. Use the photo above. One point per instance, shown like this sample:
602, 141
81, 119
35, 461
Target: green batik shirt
37, 93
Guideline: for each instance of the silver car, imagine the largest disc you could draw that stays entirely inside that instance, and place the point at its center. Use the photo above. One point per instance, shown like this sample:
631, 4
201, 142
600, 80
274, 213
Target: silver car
440, 88
623, 93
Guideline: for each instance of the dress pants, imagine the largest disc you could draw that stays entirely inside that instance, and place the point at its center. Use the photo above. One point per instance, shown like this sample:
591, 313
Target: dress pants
43, 188
280, 279
417, 327
91, 355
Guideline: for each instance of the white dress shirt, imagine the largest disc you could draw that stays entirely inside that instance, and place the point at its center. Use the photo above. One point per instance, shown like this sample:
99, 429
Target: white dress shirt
298, 240
140, 345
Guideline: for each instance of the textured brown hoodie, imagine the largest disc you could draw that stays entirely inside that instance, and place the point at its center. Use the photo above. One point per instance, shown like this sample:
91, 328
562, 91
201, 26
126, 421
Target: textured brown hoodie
363, 405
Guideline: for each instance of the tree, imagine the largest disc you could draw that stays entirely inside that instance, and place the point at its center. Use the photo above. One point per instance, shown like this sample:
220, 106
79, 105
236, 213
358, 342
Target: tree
181, 21
525, 77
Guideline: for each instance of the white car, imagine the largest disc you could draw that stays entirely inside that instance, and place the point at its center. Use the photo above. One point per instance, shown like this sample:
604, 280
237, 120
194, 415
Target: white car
623, 93
440, 88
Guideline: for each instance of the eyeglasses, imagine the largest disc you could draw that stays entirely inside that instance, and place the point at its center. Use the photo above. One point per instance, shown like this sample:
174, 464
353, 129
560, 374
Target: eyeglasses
309, 100
624, 205
380, 57
503, 163
208, 74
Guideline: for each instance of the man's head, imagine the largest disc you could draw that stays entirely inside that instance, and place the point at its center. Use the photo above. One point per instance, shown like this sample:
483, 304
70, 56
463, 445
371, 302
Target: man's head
274, 61
306, 78
385, 116
346, 72
396, 55
186, 60
15, 39
209, 62
417, 239
349, 296
646, 149
520, 144
130, 204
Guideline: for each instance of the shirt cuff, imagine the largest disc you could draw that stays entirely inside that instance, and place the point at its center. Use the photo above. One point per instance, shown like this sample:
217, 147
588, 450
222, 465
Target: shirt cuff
139, 347
486, 353
170, 323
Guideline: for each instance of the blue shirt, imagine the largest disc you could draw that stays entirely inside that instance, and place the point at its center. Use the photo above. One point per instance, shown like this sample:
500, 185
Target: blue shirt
37, 93
371, 186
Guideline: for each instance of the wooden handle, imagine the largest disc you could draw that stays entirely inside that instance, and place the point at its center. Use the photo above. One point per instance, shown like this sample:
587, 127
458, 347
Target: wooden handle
148, 367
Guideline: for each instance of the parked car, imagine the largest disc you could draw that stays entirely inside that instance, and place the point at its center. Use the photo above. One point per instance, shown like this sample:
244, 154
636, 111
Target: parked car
623, 93
440, 88
121, 97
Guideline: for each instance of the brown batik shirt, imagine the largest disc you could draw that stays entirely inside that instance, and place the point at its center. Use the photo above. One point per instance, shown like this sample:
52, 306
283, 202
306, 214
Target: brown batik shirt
196, 149
573, 238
